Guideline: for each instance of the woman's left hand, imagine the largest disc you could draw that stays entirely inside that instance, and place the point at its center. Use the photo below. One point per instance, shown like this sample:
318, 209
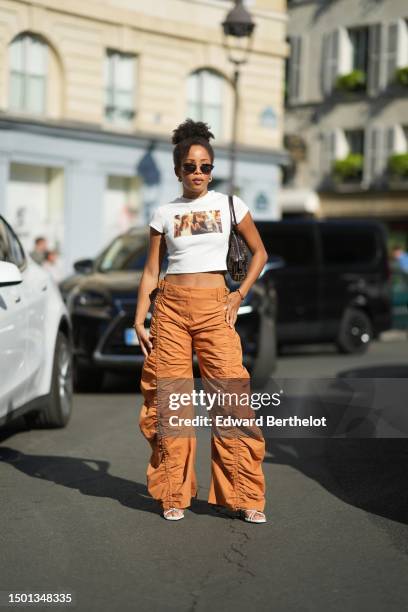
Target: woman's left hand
231, 307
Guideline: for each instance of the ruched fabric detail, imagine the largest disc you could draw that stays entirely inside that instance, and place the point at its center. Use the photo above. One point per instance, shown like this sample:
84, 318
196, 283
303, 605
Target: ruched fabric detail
187, 319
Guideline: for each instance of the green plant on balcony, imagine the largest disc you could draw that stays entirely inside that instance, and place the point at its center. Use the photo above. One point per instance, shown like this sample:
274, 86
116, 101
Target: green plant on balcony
349, 169
353, 81
398, 165
401, 76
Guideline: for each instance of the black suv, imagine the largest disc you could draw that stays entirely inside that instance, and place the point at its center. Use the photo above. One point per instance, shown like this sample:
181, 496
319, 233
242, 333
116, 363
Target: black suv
102, 296
335, 284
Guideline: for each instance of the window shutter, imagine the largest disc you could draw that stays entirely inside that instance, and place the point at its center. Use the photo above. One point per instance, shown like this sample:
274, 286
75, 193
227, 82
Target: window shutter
330, 60
392, 52
394, 142
334, 57
332, 152
402, 50
368, 156
373, 154
389, 145
374, 59
328, 151
324, 63
294, 68
377, 145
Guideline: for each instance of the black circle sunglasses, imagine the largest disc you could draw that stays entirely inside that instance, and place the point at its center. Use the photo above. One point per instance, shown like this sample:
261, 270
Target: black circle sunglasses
189, 168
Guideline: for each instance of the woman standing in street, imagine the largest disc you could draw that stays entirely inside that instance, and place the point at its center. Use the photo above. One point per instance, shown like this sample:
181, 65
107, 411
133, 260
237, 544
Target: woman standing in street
195, 310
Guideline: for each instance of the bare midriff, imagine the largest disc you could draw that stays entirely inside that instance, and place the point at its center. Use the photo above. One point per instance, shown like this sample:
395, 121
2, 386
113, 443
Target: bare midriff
214, 278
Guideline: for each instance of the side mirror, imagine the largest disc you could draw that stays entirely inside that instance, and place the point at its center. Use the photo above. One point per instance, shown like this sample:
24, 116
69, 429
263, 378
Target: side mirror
9, 274
84, 266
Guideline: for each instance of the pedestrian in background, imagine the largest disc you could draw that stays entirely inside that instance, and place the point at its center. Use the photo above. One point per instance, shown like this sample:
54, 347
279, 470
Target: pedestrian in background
40, 249
52, 263
400, 257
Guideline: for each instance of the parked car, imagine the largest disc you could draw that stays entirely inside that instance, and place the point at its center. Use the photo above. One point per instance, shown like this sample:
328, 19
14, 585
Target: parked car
35, 346
101, 298
335, 285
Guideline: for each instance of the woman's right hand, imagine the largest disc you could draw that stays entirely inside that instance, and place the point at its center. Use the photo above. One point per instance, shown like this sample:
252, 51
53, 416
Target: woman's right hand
143, 337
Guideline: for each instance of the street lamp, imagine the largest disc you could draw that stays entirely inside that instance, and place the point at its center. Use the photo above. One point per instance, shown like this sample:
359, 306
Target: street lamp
238, 29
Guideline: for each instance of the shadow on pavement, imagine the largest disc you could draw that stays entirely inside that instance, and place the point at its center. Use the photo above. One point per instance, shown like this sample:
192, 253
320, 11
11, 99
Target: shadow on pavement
91, 477
88, 476
367, 472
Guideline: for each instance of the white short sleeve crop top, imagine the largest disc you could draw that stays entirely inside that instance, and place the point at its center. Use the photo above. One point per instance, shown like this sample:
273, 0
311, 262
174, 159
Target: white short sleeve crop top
197, 231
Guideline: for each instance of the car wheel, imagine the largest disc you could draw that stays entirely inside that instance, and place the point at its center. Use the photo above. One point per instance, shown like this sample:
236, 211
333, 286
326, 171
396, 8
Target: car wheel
88, 379
355, 332
58, 407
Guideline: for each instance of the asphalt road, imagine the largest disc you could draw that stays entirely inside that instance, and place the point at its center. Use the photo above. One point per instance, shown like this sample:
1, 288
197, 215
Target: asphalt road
76, 515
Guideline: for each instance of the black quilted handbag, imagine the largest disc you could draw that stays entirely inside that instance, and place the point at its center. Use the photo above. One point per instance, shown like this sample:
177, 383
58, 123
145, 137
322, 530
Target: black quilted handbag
238, 252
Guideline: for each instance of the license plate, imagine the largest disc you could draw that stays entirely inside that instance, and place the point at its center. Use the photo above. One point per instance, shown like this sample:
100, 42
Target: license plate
131, 338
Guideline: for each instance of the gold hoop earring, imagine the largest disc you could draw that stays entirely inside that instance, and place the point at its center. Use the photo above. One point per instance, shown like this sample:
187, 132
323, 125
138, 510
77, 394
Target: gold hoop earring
210, 179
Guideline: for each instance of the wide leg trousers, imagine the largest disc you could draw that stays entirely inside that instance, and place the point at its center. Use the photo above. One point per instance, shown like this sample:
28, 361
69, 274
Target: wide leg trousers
186, 319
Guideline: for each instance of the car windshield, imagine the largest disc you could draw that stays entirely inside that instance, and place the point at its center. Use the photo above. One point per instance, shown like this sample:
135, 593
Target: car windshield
127, 252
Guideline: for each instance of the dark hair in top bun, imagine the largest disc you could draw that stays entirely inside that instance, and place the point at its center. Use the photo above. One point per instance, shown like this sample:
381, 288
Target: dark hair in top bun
188, 133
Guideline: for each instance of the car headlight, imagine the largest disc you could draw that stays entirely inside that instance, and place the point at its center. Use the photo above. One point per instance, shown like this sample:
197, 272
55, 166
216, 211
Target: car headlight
86, 299
90, 298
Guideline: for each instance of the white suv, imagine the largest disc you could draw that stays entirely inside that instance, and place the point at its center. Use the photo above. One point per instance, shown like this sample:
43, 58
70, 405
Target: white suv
35, 340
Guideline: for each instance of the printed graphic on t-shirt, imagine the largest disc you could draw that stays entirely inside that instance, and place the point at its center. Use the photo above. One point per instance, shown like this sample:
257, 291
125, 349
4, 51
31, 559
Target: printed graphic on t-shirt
198, 222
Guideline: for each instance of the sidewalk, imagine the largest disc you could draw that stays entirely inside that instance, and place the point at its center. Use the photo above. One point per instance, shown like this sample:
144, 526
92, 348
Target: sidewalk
394, 335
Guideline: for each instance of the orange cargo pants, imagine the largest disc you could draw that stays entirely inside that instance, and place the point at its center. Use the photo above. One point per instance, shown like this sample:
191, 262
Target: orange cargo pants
183, 319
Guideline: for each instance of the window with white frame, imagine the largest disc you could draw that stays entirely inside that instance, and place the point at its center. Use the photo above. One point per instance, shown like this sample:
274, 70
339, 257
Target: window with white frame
28, 74
381, 142
120, 71
377, 49
205, 95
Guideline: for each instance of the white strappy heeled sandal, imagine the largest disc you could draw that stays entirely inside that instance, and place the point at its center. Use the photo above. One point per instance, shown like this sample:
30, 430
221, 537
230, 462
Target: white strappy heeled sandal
250, 516
173, 514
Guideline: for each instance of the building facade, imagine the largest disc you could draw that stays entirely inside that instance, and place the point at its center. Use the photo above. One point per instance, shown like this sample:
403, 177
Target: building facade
347, 110
90, 93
